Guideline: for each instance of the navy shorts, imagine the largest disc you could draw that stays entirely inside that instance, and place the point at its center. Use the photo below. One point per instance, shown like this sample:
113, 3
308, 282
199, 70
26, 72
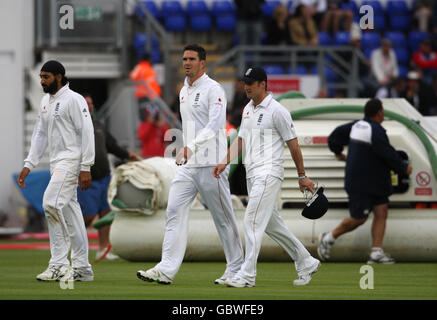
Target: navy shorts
360, 205
95, 198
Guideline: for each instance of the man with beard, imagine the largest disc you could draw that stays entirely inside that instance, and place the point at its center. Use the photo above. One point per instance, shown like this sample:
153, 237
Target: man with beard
64, 126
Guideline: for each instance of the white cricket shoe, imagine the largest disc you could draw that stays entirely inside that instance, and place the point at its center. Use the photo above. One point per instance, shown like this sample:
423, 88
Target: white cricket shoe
306, 277
238, 282
379, 256
324, 247
224, 277
53, 273
79, 274
152, 275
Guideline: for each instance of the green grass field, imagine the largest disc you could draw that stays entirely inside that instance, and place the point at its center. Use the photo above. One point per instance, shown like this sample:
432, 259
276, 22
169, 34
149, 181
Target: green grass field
117, 280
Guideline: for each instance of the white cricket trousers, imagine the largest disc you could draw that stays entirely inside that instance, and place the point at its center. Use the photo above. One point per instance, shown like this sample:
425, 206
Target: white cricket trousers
65, 221
261, 216
187, 182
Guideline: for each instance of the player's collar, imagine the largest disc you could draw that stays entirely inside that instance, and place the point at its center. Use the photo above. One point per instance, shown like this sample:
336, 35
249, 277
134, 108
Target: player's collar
266, 101
197, 82
60, 91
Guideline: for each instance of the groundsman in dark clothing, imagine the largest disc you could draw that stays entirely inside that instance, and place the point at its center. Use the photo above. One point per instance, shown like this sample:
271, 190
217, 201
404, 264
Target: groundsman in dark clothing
367, 180
94, 201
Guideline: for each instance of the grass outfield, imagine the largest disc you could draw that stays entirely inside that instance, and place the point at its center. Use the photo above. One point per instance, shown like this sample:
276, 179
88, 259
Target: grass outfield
117, 280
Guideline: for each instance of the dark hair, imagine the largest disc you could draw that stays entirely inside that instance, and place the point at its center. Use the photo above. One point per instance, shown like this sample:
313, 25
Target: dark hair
64, 80
372, 107
86, 94
199, 49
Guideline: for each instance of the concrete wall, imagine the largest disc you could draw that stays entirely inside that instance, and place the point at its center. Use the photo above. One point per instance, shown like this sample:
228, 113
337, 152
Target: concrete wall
16, 45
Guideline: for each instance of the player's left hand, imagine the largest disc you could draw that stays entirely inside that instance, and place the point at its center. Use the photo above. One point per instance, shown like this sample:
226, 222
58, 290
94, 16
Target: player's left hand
84, 180
306, 183
183, 156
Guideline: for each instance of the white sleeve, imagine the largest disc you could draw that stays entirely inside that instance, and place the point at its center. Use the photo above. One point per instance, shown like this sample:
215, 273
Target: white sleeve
38, 144
395, 64
284, 124
84, 126
216, 119
375, 64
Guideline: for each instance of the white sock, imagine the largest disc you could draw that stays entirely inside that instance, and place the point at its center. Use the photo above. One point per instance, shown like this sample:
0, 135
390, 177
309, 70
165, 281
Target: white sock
375, 249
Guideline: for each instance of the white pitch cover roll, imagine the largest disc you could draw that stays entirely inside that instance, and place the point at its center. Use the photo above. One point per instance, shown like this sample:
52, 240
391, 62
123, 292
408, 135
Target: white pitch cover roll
143, 186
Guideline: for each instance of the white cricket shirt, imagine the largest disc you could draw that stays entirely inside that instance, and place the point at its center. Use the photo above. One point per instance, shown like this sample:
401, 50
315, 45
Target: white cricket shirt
264, 129
64, 125
203, 113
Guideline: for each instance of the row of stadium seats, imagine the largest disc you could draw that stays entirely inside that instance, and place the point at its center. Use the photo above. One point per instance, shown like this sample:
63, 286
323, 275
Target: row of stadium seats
200, 17
197, 15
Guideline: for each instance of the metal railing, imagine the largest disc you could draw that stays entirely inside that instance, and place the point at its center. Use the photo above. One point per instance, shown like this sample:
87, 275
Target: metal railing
343, 60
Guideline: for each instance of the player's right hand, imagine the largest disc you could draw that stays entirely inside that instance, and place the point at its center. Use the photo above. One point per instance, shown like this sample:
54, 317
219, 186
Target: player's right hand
218, 169
22, 177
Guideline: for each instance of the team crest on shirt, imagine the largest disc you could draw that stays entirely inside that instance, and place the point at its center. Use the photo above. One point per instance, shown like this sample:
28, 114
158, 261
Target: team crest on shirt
260, 118
56, 115
44, 109
247, 116
196, 100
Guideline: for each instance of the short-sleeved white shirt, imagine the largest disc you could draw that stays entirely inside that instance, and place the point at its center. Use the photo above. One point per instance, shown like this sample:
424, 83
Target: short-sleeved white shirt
264, 129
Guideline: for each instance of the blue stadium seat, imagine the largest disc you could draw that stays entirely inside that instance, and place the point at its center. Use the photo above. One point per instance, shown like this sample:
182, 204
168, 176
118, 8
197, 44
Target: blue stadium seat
222, 7
140, 41
290, 5
324, 38
273, 69
301, 70
175, 22
403, 71
399, 22
397, 7
414, 39
375, 4
397, 39
151, 6
200, 22
368, 52
402, 55
331, 76
171, 7
196, 7
155, 56
379, 22
341, 38
352, 5
269, 6
226, 22
370, 40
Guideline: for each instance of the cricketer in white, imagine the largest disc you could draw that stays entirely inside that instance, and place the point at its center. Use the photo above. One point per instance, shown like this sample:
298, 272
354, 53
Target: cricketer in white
266, 125
203, 111
64, 126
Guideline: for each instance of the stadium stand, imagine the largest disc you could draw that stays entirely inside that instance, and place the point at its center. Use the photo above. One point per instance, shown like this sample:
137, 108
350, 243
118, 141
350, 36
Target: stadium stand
273, 69
151, 6
269, 6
